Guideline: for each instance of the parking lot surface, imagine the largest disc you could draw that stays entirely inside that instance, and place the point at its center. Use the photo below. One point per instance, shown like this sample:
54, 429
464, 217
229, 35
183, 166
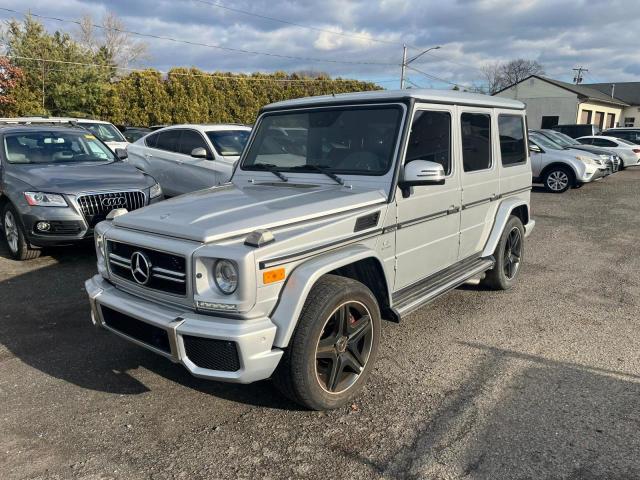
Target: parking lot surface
542, 381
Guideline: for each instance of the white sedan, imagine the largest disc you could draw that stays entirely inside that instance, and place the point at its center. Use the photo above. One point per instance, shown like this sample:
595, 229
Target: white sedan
628, 152
185, 158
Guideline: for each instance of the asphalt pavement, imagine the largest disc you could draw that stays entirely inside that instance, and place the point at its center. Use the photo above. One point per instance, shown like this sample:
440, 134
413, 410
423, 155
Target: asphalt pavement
540, 382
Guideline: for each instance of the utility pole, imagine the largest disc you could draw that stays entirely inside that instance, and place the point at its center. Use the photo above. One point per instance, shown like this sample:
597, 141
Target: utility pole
578, 77
405, 62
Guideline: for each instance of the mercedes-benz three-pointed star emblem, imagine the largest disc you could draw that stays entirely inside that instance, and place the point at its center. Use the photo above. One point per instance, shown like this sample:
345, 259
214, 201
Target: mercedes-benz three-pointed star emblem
140, 268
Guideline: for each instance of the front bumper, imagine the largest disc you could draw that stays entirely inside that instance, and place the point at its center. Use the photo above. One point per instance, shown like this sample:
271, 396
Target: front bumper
590, 176
253, 338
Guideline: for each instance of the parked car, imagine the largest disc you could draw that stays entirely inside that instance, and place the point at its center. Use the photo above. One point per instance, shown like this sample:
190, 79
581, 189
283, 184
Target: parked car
575, 130
559, 169
389, 200
627, 151
105, 131
630, 134
609, 157
57, 183
133, 134
185, 158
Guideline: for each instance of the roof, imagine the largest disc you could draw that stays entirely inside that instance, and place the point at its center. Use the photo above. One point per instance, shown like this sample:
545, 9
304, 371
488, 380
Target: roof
449, 97
208, 127
583, 91
21, 127
36, 119
628, 92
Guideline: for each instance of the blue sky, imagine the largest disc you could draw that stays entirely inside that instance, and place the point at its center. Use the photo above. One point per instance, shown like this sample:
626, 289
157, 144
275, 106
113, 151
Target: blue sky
561, 34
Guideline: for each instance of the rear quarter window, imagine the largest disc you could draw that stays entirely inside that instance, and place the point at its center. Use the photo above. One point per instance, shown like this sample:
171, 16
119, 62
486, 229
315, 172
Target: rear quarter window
512, 140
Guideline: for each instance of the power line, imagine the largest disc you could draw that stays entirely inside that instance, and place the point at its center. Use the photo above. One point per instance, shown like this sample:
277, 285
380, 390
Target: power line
188, 74
294, 24
438, 79
208, 45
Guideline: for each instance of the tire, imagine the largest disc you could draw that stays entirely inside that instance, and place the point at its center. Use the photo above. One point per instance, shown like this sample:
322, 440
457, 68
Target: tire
578, 185
500, 277
558, 179
328, 360
19, 248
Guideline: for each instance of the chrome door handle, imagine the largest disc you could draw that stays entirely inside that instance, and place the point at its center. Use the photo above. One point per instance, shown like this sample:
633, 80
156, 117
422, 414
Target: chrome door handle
452, 209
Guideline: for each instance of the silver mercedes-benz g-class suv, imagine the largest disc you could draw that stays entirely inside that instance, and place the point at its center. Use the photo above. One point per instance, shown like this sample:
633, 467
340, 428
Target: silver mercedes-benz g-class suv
377, 203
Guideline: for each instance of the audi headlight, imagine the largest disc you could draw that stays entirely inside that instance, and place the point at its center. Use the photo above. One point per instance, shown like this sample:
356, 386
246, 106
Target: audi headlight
225, 274
41, 199
155, 191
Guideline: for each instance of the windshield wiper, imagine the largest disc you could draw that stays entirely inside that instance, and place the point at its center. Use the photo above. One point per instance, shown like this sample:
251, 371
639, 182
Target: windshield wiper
269, 167
321, 169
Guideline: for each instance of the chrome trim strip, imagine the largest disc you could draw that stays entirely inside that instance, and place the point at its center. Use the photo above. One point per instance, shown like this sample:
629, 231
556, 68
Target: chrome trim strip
165, 277
119, 258
168, 272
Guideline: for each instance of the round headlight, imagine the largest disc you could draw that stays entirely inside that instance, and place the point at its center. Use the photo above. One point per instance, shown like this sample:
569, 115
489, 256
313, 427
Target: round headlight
225, 274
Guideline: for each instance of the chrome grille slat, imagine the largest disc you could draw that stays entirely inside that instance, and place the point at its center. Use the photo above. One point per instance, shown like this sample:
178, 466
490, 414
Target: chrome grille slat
168, 272
165, 277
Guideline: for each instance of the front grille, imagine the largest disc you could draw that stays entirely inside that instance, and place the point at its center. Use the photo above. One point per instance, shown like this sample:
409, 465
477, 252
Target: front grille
95, 207
134, 328
166, 272
212, 353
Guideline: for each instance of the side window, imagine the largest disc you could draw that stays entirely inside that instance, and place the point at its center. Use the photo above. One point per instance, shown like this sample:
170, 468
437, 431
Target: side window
601, 142
512, 144
168, 140
586, 141
151, 140
430, 138
191, 139
476, 141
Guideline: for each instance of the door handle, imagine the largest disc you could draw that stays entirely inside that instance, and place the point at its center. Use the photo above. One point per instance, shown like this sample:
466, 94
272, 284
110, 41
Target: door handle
452, 209
494, 196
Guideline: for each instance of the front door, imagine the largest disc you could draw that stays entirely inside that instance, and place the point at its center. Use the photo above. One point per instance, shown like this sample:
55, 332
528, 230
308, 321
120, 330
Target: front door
479, 178
428, 216
194, 173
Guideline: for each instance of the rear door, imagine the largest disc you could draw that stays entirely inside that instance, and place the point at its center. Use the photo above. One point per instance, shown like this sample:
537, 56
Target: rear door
479, 178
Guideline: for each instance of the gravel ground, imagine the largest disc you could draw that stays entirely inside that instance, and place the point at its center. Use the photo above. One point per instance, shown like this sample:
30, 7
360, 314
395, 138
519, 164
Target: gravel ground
542, 381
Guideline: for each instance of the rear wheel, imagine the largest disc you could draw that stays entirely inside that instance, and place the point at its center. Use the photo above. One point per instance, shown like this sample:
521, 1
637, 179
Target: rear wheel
14, 234
558, 179
508, 255
333, 347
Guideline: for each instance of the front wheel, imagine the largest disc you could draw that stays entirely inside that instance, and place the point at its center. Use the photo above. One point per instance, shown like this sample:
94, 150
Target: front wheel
508, 255
558, 179
14, 234
334, 346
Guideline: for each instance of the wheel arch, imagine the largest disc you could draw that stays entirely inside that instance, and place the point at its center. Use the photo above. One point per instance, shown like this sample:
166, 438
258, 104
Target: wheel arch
566, 166
357, 262
510, 206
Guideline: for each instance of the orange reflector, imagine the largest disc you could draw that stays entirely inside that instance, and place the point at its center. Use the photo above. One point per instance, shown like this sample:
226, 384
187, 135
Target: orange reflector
273, 275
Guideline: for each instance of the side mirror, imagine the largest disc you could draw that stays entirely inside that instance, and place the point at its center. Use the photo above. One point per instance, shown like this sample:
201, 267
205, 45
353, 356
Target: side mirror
199, 152
421, 172
534, 148
121, 153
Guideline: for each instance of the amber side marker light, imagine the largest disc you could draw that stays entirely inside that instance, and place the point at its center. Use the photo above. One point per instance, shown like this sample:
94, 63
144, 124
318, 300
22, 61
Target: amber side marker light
271, 276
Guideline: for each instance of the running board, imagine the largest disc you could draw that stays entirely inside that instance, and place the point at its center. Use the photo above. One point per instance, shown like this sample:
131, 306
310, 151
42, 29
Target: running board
415, 296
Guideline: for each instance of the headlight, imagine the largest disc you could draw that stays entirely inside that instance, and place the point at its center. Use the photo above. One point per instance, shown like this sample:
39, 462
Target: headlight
587, 160
41, 199
225, 273
155, 191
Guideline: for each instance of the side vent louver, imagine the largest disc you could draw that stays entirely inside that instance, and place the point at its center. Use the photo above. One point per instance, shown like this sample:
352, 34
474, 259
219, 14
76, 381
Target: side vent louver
367, 221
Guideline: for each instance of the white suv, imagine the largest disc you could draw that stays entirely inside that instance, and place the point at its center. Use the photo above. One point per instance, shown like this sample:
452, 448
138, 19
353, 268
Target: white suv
185, 158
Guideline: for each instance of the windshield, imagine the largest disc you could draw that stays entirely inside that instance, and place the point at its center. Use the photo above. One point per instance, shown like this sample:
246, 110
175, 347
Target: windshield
55, 147
545, 142
348, 140
229, 142
562, 138
104, 131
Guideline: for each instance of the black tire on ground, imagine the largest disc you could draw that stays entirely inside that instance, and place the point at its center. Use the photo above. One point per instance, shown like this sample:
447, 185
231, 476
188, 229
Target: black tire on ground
558, 179
621, 165
508, 255
578, 185
19, 247
319, 346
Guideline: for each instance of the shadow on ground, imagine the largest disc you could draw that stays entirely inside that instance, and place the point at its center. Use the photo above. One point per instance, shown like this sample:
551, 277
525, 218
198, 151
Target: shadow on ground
45, 322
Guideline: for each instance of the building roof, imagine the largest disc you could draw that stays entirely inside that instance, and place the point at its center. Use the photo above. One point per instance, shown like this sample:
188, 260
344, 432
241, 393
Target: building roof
425, 95
628, 92
584, 91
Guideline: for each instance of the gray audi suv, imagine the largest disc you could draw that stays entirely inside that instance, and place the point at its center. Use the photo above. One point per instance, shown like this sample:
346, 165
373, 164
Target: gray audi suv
57, 183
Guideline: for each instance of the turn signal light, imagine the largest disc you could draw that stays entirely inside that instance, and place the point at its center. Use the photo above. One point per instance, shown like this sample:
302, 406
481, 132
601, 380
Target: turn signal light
271, 276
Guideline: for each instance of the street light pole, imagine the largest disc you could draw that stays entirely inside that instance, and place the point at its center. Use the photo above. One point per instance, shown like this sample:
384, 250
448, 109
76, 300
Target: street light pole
406, 62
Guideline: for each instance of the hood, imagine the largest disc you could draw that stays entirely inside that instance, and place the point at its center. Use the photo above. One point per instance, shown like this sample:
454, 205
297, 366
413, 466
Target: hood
230, 210
80, 177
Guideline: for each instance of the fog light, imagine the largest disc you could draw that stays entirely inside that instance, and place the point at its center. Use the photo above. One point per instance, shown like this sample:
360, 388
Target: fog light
43, 226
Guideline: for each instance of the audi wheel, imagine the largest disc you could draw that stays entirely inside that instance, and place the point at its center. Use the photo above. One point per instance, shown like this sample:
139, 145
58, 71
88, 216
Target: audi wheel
14, 234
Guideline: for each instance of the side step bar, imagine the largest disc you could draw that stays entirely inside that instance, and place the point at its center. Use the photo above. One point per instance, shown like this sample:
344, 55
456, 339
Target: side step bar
415, 296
